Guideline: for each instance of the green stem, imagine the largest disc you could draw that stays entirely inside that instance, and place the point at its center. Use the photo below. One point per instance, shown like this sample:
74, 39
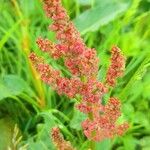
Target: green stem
92, 145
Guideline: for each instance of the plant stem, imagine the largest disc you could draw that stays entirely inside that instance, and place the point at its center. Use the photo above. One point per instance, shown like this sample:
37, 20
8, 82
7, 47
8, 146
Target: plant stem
92, 145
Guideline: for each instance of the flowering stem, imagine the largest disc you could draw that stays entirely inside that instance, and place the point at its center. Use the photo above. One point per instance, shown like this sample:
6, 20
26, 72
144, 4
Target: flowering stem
92, 145
90, 115
82, 63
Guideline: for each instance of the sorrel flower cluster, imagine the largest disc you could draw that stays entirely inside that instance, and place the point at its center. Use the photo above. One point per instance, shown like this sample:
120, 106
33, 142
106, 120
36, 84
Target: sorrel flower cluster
83, 85
59, 141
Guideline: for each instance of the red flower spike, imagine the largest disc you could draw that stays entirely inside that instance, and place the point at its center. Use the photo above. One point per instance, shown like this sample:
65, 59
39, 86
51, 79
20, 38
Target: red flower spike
116, 68
103, 125
83, 64
59, 141
84, 108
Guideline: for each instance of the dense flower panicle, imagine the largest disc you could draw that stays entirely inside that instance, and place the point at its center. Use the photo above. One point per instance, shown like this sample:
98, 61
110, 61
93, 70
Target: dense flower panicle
93, 86
82, 62
93, 91
113, 109
47, 46
34, 58
103, 126
59, 141
122, 128
79, 59
65, 86
84, 108
82, 66
64, 28
48, 74
116, 68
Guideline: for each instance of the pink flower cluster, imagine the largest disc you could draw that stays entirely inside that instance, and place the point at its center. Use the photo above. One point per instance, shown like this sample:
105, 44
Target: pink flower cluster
79, 59
116, 68
103, 124
59, 141
82, 62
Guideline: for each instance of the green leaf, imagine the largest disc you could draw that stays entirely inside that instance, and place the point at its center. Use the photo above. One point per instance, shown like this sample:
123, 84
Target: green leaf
146, 84
103, 145
98, 16
141, 119
145, 143
43, 140
85, 2
13, 85
9, 33
77, 119
85, 145
129, 142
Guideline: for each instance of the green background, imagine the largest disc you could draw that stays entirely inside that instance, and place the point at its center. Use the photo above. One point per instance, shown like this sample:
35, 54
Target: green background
102, 23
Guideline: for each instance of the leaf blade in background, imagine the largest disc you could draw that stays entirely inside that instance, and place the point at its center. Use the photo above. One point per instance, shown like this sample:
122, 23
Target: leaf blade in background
13, 85
103, 145
9, 33
78, 117
93, 18
43, 139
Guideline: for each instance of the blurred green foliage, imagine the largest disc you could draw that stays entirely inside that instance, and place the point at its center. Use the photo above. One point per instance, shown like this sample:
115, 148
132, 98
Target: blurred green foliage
25, 101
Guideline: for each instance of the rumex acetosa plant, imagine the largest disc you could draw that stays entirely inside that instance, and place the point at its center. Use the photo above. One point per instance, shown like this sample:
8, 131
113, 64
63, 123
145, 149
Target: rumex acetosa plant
83, 85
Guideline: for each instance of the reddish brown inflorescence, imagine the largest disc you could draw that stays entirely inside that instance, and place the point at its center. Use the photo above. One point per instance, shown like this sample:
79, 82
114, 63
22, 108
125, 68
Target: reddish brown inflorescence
59, 141
116, 68
82, 62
